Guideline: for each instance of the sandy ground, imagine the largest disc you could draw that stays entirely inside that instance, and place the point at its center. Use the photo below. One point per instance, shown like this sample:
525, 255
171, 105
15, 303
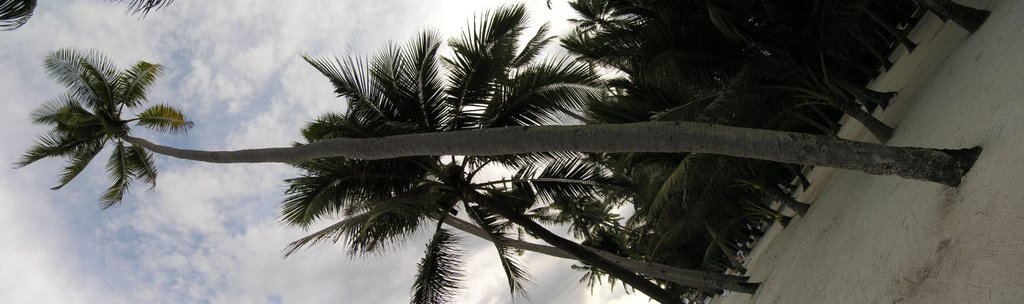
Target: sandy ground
876, 239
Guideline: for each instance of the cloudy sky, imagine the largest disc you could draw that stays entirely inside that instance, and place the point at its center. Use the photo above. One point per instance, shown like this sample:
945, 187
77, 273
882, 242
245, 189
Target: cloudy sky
208, 233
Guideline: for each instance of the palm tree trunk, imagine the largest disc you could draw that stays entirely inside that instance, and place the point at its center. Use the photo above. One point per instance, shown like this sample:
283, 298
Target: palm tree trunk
864, 94
879, 129
685, 277
728, 251
967, 17
582, 254
935, 165
787, 200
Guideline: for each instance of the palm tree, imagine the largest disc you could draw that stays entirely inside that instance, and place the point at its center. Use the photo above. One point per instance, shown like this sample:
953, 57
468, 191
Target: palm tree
492, 83
89, 117
14, 13
731, 67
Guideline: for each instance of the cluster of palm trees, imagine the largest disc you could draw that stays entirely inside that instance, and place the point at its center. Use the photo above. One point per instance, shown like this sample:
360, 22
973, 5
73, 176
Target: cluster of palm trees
777, 65
715, 97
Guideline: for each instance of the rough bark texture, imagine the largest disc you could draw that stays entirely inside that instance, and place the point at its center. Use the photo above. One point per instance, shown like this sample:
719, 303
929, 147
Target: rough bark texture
941, 166
686, 277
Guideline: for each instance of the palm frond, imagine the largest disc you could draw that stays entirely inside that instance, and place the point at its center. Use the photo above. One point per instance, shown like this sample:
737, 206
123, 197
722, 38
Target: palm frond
439, 277
332, 186
63, 113
533, 47
518, 278
422, 59
54, 144
15, 13
163, 118
676, 183
569, 177
140, 164
538, 94
118, 170
585, 215
481, 55
87, 74
381, 227
131, 84
351, 80
78, 160
143, 6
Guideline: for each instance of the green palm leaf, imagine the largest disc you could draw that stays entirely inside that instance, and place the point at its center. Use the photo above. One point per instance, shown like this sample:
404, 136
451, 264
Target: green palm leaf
119, 171
54, 144
351, 81
87, 74
64, 113
421, 58
78, 160
482, 55
131, 84
439, 278
534, 46
163, 118
519, 279
538, 94
676, 183
333, 186
140, 164
380, 227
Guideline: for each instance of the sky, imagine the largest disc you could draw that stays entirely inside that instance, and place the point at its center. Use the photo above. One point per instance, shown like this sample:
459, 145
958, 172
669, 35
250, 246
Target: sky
208, 233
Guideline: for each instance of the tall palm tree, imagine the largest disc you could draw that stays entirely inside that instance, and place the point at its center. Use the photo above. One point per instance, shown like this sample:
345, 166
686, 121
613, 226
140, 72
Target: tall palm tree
492, 82
89, 117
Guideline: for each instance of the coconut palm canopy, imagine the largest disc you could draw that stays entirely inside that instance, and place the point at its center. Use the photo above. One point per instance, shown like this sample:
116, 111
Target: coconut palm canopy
90, 116
490, 81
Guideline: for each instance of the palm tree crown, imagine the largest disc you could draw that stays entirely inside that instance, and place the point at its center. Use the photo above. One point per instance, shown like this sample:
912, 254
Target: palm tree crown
89, 116
491, 82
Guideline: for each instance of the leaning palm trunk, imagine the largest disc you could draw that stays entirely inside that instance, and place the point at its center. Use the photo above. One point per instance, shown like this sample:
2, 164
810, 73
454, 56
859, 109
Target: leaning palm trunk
582, 254
687, 277
935, 165
785, 199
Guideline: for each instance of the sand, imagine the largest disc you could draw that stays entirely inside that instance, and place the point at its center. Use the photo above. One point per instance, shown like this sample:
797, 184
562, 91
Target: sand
878, 239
